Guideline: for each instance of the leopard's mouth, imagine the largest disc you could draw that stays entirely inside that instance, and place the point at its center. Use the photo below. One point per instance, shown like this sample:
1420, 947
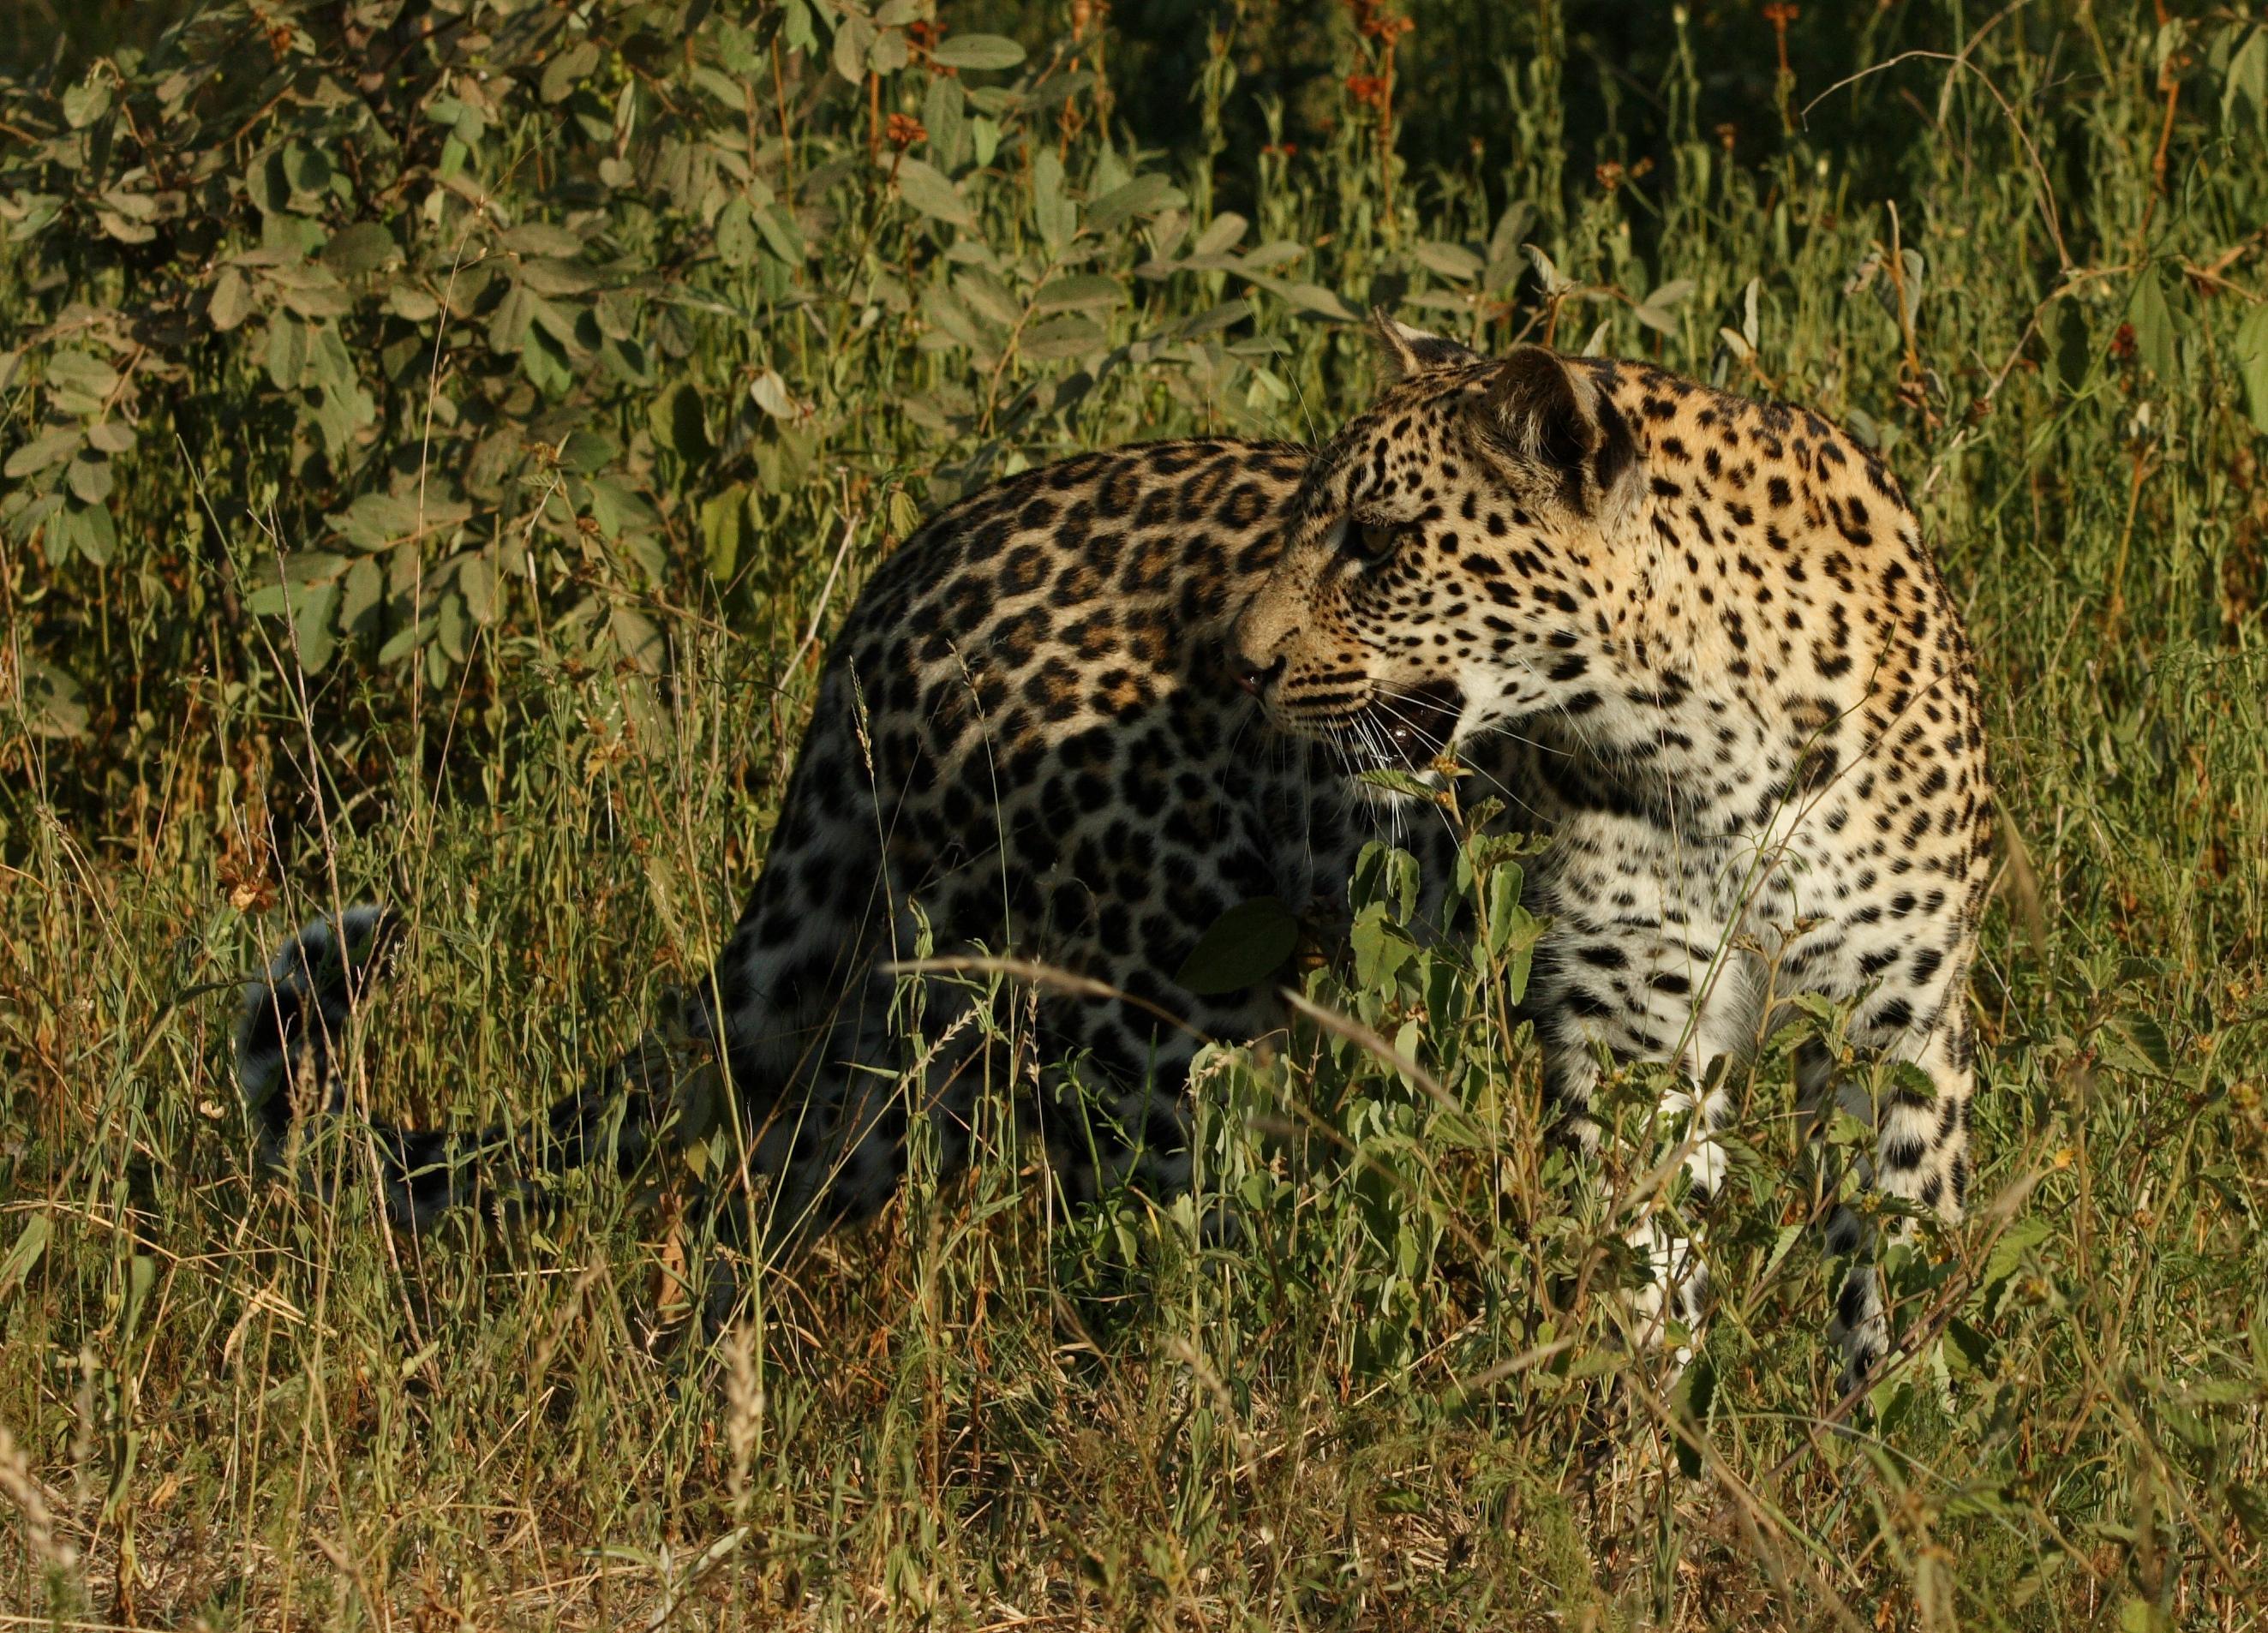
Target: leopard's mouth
1408, 730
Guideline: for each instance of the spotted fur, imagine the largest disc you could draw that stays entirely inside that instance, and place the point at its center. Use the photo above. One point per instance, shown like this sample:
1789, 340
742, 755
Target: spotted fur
1697, 637
1739, 696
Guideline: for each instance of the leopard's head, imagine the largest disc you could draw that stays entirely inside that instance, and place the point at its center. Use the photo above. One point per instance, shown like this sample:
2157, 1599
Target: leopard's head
1448, 555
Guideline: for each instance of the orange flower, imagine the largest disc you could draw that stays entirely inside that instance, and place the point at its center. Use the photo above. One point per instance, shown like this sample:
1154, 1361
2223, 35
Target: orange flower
903, 130
1367, 89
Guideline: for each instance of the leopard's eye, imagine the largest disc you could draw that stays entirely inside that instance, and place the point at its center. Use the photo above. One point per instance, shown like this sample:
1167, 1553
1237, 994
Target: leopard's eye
1371, 541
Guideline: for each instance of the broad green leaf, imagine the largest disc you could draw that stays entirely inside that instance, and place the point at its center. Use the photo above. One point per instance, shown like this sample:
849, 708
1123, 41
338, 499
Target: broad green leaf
925, 187
87, 531
979, 52
770, 394
585, 451
287, 351
678, 422
564, 72
1052, 211
540, 238
1145, 196
55, 704
2252, 355
2009, 1251
1395, 780
1381, 947
2154, 327
1450, 261
1315, 299
639, 641
86, 102
1084, 292
231, 301
31, 1242
548, 274
364, 246
1222, 234
82, 374
853, 34
736, 233
1073, 334
1241, 948
2246, 81
724, 520
89, 476
1503, 908
43, 452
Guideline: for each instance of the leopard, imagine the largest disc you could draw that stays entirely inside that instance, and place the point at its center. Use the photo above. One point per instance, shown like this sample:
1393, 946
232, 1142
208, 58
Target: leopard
1693, 638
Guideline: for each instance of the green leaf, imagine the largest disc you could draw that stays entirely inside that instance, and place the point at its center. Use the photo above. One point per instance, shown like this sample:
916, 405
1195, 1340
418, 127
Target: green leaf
540, 238
639, 641
2154, 327
31, 1242
86, 102
736, 233
770, 394
231, 301
1074, 334
1697, 1393
678, 423
2009, 1253
1052, 210
86, 530
585, 451
2148, 1039
1453, 261
2247, 79
550, 275
1145, 196
1222, 234
1242, 947
562, 73
925, 188
54, 705
1086, 291
83, 376
1315, 299
376, 520
89, 477
977, 52
364, 246
43, 452
1505, 916
723, 521
1381, 947
287, 351
1396, 781
782, 236
2252, 353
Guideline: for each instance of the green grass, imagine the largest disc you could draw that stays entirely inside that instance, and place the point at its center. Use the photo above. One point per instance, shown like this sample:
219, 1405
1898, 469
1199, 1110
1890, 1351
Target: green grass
1395, 1402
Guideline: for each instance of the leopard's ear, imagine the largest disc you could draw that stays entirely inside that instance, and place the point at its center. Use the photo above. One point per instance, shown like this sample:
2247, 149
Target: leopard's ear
1404, 351
1554, 420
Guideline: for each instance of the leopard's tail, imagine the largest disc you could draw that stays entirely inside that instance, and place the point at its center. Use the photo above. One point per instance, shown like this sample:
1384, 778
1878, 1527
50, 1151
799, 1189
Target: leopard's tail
291, 1067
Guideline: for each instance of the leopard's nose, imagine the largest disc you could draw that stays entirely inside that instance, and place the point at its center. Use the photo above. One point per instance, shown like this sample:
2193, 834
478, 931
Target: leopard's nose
1256, 678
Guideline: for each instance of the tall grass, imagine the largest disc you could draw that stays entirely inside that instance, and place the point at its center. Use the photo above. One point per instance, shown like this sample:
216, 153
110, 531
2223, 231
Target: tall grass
2021, 250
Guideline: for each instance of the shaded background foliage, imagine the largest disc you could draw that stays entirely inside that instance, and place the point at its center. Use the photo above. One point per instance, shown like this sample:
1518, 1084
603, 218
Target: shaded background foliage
437, 435
427, 322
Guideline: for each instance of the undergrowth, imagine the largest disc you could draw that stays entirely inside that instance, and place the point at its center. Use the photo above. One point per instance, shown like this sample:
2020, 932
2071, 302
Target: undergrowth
439, 438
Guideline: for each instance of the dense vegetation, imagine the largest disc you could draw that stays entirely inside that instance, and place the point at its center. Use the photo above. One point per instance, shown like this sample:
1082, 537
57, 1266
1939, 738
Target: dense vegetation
439, 437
